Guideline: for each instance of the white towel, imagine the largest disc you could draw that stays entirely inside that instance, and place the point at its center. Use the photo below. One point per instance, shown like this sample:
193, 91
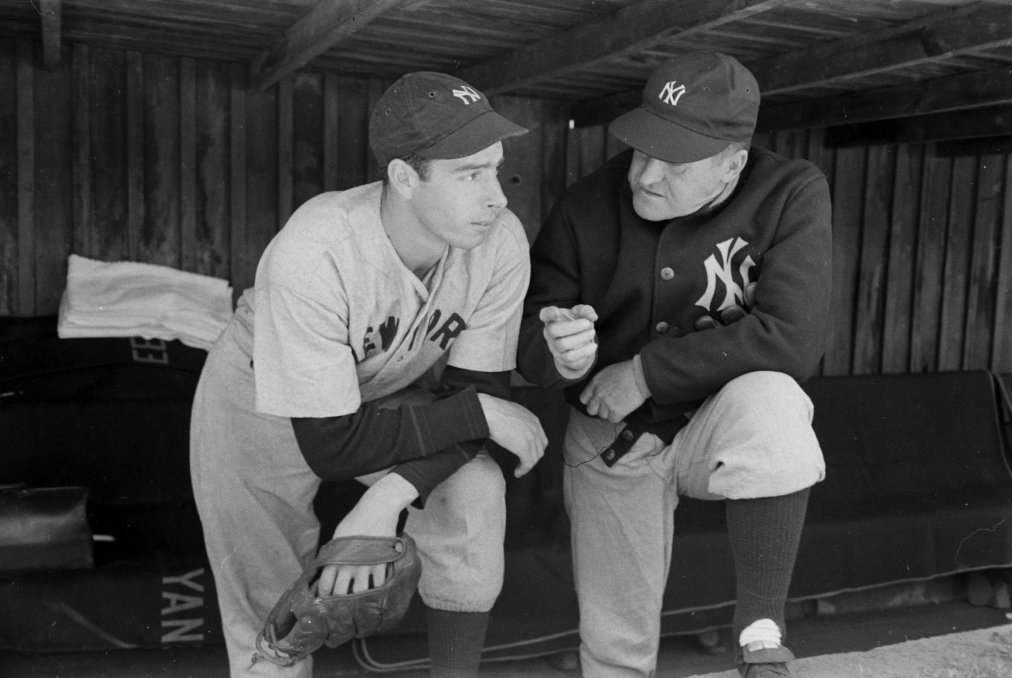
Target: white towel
132, 299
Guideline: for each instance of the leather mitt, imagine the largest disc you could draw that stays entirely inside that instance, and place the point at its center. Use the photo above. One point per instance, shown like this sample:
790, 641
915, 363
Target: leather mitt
303, 621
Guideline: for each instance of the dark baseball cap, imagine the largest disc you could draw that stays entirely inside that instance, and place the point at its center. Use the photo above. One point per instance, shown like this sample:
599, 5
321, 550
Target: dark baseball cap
434, 115
693, 106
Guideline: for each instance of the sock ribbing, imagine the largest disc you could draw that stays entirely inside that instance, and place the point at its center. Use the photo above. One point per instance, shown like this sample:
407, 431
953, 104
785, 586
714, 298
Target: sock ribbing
765, 534
455, 642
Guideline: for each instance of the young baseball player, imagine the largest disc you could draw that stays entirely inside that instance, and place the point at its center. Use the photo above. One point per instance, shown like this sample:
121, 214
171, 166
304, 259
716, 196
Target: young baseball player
679, 294
376, 343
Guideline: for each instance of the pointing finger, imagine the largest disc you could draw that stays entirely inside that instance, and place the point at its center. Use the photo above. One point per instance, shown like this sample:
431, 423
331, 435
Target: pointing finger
585, 311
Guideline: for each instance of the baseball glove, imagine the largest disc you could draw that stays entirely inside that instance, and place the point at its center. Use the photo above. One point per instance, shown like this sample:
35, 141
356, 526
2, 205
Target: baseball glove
302, 621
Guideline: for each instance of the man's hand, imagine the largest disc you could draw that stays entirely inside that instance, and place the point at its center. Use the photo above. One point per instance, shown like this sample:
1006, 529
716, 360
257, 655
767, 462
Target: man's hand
375, 515
731, 314
613, 392
515, 428
571, 338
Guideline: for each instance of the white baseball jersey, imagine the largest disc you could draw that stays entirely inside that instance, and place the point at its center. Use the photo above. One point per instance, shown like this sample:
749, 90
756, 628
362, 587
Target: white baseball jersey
338, 319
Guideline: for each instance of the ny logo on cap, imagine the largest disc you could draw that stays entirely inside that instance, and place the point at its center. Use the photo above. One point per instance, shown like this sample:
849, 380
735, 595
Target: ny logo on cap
467, 94
671, 94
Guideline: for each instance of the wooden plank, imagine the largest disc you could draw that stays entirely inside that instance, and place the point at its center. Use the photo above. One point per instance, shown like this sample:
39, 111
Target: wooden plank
1001, 360
26, 179
184, 237
938, 95
823, 158
929, 262
980, 123
996, 145
592, 149
868, 321
322, 27
135, 114
957, 262
848, 197
108, 146
626, 31
819, 154
939, 35
331, 125
521, 173
238, 171
262, 204
605, 109
50, 19
53, 224
375, 90
935, 37
352, 132
83, 228
167, 101
983, 273
902, 234
307, 137
793, 143
555, 123
214, 184
9, 266
284, 147
572, 155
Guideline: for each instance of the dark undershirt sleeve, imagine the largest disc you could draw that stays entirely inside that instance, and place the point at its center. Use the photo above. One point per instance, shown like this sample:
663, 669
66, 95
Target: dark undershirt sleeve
493, 383
424, 442
378, 437
425, 474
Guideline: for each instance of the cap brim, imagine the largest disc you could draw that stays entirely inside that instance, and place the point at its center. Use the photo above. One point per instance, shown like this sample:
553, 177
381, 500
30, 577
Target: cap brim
663, 139
475, 135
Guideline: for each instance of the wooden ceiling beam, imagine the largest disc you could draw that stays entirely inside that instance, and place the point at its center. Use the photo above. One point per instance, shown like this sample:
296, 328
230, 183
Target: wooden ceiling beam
324, 25
630, 29
982, 123
960, 31
51, 18
938, 95
940, 36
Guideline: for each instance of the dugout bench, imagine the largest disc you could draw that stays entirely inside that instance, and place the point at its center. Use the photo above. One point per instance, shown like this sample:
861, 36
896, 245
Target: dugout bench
918, 486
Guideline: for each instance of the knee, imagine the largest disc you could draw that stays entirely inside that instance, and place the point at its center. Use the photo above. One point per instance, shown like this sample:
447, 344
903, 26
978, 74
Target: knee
477, 488
770, 394
460, 536
768, 446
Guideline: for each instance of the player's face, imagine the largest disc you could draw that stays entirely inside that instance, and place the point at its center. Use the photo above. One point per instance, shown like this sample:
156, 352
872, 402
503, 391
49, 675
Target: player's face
665, 190
461, 198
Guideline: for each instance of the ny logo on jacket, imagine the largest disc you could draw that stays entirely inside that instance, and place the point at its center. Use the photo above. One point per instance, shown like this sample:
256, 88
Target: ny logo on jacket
723, 271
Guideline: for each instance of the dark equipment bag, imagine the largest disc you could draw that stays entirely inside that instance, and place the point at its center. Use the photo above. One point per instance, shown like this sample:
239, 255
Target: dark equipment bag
111, 414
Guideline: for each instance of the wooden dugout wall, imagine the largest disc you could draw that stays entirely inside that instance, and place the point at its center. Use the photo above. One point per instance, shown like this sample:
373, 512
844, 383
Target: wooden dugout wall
121, 155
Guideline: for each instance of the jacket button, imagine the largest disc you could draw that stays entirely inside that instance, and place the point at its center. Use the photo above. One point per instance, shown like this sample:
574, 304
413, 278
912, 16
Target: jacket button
661, 327
608, 454
627, 435
667, 273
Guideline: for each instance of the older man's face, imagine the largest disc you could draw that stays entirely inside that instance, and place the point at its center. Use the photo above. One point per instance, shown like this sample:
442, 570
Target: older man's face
665, 190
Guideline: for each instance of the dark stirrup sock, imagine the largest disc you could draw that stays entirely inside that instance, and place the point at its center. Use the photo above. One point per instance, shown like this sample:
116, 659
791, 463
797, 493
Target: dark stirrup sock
455, 642
765, 534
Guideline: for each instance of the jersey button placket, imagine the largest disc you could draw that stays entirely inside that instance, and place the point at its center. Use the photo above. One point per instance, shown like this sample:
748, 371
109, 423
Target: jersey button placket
667, 274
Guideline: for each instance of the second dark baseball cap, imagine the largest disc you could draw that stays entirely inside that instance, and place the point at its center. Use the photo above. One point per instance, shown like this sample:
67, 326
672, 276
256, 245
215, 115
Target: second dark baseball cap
434, 115
693, 106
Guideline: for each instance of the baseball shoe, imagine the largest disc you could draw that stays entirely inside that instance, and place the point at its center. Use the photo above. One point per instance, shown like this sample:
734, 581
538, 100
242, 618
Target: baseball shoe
774, 670
765, 663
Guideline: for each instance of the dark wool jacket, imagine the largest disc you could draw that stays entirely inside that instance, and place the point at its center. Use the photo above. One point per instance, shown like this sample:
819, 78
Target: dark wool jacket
650, 282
